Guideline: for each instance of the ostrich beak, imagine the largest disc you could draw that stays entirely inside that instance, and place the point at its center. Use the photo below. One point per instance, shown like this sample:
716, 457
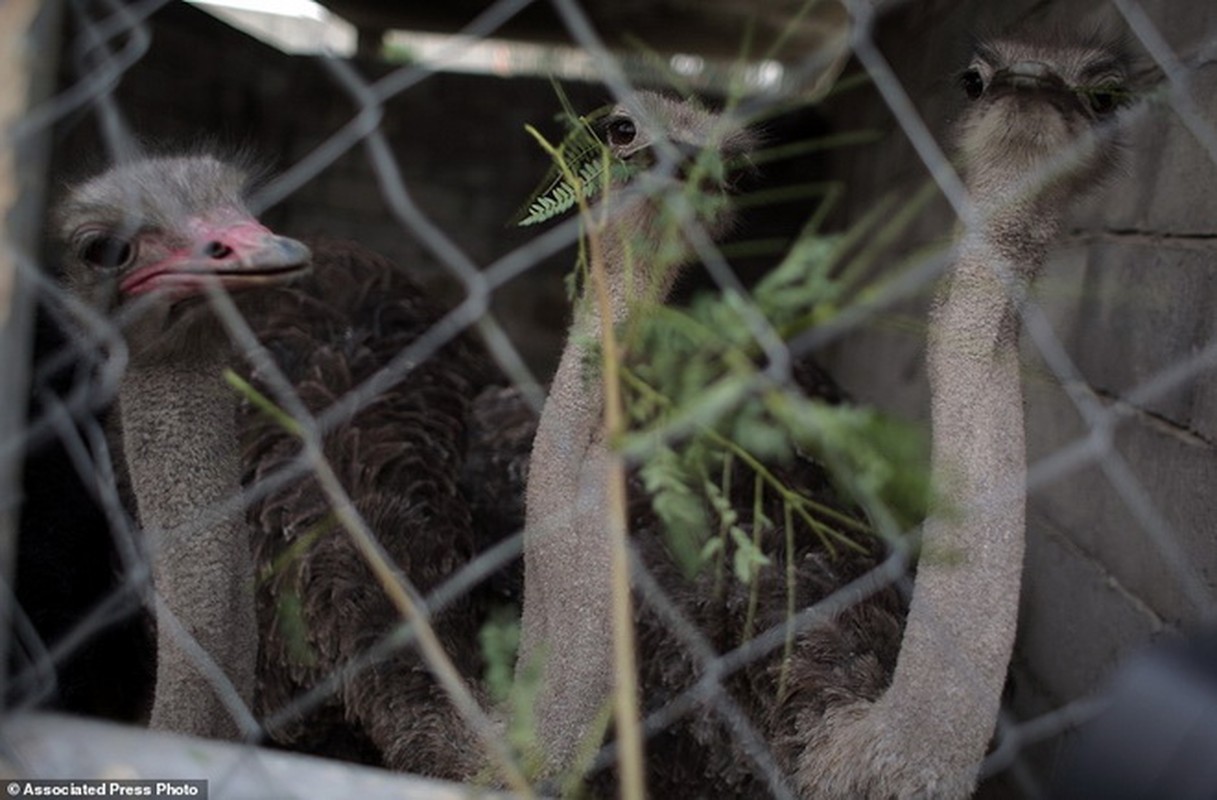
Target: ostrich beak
1029, 75
720, 173
1027, 78
234, 254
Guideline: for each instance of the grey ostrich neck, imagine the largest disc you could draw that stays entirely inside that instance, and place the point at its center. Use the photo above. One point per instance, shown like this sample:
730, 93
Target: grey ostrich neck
946, 690
927, 734
179, 437
567, 555
997, 258
145, 242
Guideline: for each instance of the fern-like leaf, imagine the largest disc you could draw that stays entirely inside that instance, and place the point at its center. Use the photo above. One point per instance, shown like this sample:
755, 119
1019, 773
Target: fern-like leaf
561, 196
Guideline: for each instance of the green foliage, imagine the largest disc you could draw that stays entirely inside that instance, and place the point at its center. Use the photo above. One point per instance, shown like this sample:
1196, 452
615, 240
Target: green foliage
583, 168
697, 397
694, 378
262, 403
668, 481
289, 613
879, 461
399, 53
563, 194
802, 290
699, 405
499, 638
748, 558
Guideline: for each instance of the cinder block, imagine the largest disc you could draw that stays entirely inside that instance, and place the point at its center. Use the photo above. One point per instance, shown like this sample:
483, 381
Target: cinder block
1074, 624
1171, 476
1125, 310
1169, 180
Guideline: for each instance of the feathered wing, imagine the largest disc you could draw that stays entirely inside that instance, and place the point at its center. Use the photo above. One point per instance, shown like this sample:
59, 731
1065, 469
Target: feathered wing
399, 458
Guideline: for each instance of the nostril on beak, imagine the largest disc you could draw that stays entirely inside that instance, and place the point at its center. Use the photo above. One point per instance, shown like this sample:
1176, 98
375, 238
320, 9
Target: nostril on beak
217, 250
689, 153
1030, 75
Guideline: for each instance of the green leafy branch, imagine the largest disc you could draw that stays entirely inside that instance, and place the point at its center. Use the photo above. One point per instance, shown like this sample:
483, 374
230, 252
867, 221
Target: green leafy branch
699, 401
563, 195
666, 476
583, 167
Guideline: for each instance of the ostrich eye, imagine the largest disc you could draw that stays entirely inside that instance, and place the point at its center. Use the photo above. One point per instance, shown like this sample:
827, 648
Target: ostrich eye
621, 132
973, 84
107, 252
1104, 100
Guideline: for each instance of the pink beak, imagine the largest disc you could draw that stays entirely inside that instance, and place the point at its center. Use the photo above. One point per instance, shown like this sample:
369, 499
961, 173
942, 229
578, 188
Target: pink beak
235, 253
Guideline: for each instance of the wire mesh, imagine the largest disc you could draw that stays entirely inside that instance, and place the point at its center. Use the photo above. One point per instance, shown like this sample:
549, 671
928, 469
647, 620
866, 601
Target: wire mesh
427, 168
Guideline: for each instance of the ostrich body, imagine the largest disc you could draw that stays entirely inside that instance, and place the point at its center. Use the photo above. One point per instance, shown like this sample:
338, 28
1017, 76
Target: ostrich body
420, 466
1036, 135
145, 242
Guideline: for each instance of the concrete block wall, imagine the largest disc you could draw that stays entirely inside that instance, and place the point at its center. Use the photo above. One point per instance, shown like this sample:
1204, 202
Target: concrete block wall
1129, 292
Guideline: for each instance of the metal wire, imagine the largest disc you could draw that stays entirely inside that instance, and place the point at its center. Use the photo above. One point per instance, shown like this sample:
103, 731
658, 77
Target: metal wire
72, 384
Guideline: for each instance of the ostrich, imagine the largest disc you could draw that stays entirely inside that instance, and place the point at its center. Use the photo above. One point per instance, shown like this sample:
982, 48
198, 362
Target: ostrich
1039, 132
409, 459
567, 558
145, 243
875, 706
566, 596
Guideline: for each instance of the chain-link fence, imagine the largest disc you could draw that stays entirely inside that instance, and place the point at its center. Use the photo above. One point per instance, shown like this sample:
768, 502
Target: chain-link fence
384, 431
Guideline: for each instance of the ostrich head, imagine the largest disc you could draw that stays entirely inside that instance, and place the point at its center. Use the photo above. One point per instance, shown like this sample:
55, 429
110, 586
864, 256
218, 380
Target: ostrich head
145, 241
681, 161
1043, 111
710, 148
